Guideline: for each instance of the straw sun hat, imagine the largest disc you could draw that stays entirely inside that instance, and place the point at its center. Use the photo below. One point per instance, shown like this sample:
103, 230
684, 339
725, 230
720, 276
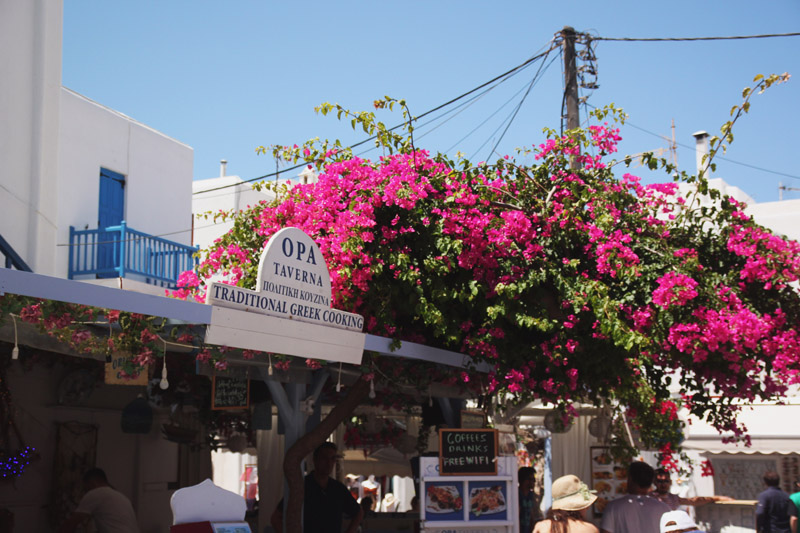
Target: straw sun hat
572, 494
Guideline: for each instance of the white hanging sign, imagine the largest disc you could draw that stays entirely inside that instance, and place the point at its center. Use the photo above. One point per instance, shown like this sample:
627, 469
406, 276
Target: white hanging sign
293, 282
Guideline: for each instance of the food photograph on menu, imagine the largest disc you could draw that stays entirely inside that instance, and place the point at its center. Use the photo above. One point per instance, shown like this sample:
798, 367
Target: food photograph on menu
609, 479
487, 500
444, 501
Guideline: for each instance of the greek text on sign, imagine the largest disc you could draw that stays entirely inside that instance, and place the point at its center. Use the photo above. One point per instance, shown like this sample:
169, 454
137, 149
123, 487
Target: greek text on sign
293, 282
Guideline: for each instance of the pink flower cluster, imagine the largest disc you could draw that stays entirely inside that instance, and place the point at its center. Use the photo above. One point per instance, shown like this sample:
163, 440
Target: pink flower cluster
674, 289
769, 259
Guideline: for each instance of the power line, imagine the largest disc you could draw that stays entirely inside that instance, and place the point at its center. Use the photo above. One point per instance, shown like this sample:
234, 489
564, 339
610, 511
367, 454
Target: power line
487, 119
678, 39
502, 76
535, 79
634, 126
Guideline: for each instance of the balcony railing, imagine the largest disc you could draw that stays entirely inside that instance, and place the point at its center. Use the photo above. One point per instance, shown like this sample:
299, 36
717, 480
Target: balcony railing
12, 258
119, 251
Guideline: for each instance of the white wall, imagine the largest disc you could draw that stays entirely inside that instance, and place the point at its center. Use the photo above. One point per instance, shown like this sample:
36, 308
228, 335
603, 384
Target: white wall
30, 63
157, 169
54, 141
781, 217
235, 197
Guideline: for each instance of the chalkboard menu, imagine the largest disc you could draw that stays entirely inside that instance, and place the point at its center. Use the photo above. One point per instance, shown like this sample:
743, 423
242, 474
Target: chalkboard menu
230, 393
467, 452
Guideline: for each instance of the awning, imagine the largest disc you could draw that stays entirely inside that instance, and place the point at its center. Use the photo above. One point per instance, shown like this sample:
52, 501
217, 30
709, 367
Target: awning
764, 445
769, 427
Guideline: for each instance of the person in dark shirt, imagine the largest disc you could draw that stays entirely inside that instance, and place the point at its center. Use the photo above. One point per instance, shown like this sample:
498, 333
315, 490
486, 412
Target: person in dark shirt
325, 499
774, 509
528, 504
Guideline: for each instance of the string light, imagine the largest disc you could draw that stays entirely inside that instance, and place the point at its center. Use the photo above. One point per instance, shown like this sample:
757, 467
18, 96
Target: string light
372, 388
339, 381
269, 370
14, 465
15, 351
164, 384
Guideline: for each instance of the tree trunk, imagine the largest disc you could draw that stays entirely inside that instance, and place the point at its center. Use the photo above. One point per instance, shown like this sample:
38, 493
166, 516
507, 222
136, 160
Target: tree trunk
307, 443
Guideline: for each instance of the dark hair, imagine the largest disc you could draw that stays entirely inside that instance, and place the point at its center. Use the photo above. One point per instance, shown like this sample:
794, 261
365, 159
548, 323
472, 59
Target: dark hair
327, 445
95, 474
772, 479
526, 472
559, 519
641, 474
414, 502
366, 503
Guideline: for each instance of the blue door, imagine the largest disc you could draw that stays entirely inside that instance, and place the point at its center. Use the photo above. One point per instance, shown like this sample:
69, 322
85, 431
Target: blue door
110, 213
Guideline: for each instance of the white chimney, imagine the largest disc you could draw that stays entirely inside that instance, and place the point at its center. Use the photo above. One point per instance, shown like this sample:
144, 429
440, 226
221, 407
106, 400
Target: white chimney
307, 176
701, 150
223, 164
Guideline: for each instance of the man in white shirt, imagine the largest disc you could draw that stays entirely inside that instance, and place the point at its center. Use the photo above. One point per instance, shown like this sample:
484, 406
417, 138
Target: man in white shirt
636, 512
111, 510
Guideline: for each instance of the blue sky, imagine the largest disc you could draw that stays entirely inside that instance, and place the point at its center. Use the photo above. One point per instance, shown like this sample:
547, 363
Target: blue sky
226, 77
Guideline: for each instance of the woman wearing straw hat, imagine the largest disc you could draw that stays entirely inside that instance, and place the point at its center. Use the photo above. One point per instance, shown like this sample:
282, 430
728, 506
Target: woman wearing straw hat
571, 499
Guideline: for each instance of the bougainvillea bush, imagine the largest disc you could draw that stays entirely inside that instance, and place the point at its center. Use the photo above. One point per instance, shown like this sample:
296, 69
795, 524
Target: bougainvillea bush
572, 278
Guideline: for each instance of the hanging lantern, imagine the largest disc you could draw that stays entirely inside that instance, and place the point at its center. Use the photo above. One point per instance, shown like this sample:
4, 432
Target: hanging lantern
554, 421
600, 427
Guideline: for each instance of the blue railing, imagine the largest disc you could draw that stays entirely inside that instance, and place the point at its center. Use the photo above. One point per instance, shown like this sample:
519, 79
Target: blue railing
119, 251
13, 260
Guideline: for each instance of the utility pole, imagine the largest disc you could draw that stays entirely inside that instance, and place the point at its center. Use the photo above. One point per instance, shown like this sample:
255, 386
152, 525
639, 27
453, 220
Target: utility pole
571, 83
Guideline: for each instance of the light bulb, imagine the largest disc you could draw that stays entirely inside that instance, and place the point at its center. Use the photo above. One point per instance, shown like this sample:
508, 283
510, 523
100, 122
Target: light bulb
15, 353
164, 384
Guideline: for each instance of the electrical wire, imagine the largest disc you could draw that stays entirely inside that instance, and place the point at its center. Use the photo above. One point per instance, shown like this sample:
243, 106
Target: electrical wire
678, 39
754, 167
722, 158
503, 76
533, 82
479, 126
535, 79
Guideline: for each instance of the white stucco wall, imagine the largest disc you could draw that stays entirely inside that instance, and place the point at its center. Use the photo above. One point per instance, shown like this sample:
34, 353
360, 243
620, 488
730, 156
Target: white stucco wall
781, 217
30, 63
234, 197
157, 169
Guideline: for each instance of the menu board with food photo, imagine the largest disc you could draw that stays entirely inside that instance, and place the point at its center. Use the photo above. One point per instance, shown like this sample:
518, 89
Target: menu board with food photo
444, 501
487, 500
609, 479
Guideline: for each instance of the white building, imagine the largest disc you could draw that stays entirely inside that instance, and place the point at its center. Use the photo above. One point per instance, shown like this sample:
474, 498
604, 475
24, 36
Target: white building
73, 162
228, 194
224, 193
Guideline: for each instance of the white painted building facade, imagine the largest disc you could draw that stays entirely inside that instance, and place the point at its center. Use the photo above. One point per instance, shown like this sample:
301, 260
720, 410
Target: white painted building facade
55, 142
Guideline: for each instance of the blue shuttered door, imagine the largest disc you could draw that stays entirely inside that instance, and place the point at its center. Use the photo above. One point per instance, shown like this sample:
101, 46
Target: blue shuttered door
110, 213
